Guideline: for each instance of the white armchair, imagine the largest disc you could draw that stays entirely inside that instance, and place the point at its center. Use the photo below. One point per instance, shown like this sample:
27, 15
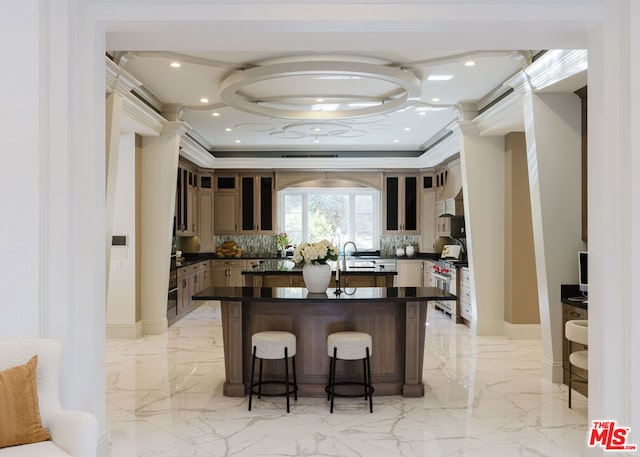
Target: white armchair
73, 433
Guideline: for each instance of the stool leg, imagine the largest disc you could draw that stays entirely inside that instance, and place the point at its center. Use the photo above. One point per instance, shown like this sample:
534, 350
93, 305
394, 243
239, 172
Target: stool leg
332, 381
260, 380
253, 364
369, 387
295, 381
330, 377
364, 376
286, 375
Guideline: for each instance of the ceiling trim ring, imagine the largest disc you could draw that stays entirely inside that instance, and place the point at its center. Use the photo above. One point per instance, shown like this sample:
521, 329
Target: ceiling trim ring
409, 86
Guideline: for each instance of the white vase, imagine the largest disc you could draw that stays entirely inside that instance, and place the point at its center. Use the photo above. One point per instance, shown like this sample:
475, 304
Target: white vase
410, 250
316, 277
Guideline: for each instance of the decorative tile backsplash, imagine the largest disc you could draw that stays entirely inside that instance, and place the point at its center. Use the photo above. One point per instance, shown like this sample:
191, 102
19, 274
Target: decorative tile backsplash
265, 245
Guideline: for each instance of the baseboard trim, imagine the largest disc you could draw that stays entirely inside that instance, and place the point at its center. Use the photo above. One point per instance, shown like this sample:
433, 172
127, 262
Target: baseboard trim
552, 371
126, 331
523, 331
103, 446
155, 327
495, 328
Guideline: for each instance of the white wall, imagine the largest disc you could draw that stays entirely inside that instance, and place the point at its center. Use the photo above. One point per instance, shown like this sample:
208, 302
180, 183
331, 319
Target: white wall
121, 296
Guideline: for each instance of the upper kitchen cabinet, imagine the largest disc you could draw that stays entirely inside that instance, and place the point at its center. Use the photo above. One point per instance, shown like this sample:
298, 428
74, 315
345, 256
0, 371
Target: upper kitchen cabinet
205, 213
257, 204
449, 192
427, 215
225, 207
186, 201
401, 204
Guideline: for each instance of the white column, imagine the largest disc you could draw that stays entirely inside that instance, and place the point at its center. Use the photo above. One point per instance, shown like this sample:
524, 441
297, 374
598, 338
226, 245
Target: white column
112, 150
482, 160
159, 169
553, 135
614, 218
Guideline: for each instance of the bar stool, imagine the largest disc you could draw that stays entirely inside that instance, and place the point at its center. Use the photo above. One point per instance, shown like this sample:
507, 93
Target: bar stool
274, 345
577, 331
350, 346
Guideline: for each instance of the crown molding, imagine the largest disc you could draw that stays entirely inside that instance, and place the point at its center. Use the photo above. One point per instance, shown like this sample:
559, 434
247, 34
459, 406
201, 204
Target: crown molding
507, 116
137, 110
194, 152
117, 80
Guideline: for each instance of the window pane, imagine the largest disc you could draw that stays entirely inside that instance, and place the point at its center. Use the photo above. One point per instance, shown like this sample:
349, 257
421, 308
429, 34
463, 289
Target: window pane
328, 215
364, 203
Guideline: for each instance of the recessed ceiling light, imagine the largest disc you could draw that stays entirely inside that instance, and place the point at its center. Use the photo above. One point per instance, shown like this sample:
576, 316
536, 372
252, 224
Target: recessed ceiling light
435, 99
396, 141
317, 129
238, 141
469, 63
422, 113
407, 129
216, 114
319, 100
204, 100
228, 129
439, 77
175, 65
316, 141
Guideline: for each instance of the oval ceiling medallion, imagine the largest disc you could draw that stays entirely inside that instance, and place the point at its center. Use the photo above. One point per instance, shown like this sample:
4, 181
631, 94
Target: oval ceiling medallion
391, 89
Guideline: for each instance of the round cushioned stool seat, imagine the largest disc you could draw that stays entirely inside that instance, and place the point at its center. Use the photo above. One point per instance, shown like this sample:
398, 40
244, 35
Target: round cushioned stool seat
349, 345
580, 359
270, 345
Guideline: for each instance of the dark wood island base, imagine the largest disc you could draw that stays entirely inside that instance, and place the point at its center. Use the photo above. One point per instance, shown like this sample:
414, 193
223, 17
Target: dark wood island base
394, 317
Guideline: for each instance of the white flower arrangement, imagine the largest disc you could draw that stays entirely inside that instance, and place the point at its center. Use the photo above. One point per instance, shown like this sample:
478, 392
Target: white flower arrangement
315, 253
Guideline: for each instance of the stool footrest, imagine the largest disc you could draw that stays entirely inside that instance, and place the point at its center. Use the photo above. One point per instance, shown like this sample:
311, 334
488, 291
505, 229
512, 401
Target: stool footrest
370, 389
293, 388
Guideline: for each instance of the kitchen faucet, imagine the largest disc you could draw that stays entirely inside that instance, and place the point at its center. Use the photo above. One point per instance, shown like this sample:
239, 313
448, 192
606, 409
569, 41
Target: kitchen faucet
344, 252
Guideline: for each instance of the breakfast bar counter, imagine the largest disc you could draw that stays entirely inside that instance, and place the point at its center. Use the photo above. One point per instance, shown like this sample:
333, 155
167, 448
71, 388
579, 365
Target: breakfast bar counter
395, 317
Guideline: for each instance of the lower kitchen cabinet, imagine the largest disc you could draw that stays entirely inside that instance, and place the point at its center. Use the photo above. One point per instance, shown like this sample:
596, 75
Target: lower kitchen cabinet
191, 280
228, 272
410, 272
465, 295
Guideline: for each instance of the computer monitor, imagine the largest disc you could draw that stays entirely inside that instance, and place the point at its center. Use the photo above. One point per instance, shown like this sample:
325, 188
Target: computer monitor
583, 276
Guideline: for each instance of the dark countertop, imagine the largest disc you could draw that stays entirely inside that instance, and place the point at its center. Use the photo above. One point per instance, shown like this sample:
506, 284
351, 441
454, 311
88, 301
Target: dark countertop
275, 294
569, 295
287, 267
191, 259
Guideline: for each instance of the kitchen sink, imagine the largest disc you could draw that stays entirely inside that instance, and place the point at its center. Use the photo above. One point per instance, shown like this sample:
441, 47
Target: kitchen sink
360, 264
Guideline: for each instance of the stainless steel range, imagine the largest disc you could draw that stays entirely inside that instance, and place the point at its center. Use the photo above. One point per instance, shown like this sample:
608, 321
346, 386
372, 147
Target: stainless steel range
445, 279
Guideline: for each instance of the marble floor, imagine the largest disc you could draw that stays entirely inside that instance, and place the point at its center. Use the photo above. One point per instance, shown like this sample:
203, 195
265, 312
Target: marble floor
484, 397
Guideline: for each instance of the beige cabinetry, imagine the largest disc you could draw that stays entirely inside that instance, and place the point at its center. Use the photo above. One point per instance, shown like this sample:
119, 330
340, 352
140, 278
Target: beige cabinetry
401, 204
428, 221
191, 280
186, 209
464, 295
225, 205
410, 273
206, 234
257, 204
228, 272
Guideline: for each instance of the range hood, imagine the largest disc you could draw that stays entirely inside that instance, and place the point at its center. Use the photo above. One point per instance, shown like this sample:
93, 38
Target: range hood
451, 193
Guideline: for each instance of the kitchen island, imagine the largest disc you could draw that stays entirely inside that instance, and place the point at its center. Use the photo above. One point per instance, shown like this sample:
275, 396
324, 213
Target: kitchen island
395, 317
